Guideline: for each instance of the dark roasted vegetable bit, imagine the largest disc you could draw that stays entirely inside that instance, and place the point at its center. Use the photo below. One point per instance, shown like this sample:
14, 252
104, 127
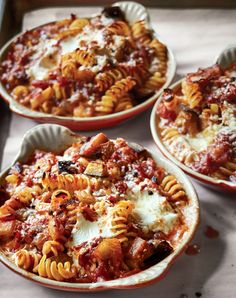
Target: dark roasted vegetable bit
168, 95
188, 110
188, 122
113, 12
139, 250
161, 251
154, 179
66, 166
4, 196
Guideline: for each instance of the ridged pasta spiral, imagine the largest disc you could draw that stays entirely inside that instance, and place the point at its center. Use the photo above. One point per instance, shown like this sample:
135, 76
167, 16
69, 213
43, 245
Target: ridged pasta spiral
119, 221
52, 246
139, 72
186, 153
105, 80
153, 83
141, 32
85, 58
70, 182
27, 260
71, 218
161, 52
118, 90
123, 104
173, 187
192, 93
79, 23
119, 28
84, 197
169, 133
226, 170
49, 268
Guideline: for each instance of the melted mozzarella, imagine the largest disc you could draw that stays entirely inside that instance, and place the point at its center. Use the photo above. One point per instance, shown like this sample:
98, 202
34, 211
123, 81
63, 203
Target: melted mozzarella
85, 230
153, 212
204, 138
229, 114
43, 60
88, 35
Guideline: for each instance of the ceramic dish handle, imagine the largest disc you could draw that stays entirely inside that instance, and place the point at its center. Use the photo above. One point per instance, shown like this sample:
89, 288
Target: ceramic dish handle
136, 11
37, 136
227, 56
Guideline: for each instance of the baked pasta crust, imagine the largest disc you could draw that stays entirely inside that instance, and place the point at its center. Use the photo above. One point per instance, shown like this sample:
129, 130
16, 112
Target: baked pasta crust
85, 67
197, 124
100, 210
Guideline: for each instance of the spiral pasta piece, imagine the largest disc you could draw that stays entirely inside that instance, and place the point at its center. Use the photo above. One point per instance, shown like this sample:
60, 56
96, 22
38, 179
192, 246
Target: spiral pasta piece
49, 268
228, 169
123, 104
84, 197
141, 32
118, 90
169, 133
52, 246
105, 80
119, 28
182, 150
173, 187
79, 23
70, 182
27, 260
192, 93
120, 214
85, 58
155, 82
161, 51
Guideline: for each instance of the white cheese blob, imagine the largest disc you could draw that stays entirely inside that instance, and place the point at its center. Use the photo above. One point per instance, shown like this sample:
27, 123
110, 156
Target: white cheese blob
229, 114
45, 59
153, 212
181, 148
85, 230
87, 36
204, 138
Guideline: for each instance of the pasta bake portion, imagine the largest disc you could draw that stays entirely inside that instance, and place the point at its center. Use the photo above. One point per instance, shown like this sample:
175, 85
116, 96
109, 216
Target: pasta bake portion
102, 209
85, 67
197, 124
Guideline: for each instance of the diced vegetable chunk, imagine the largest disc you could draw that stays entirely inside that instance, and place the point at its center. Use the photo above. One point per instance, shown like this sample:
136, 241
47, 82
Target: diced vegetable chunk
96, 169
93, 145
7, 228
109, 249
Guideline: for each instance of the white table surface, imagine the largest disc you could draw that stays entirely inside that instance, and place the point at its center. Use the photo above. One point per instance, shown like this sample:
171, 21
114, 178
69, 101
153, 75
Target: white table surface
196, 38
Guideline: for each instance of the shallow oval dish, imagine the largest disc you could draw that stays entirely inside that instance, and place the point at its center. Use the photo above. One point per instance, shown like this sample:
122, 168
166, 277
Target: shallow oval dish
206, 180
133, 12
56, 138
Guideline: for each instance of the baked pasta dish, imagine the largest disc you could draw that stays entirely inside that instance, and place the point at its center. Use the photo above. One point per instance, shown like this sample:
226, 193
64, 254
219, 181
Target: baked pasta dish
85, 67
101, 210
197, 123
